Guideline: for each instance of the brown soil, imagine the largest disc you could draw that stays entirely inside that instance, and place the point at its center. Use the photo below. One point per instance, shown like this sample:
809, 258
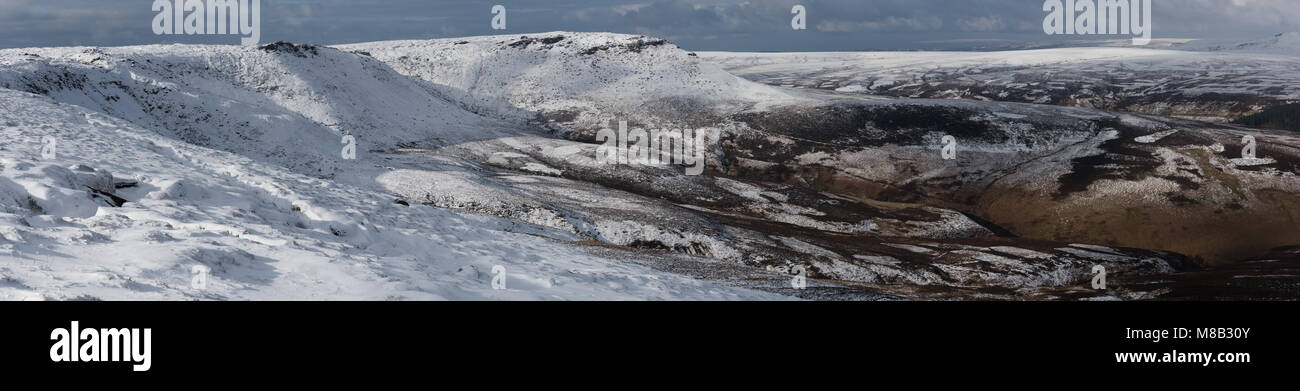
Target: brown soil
1216, 235
1181, 222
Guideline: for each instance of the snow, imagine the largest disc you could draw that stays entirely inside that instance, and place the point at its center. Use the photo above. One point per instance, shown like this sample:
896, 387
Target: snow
1255, 161
1204, 81
467, 158
1151, 138
606, 77
266, 233
1281, 43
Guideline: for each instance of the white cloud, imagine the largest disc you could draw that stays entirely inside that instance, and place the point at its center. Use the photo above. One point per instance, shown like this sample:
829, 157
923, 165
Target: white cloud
981, 24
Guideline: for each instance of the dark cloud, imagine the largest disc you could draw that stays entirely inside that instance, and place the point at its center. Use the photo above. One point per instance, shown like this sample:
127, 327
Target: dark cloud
761, 25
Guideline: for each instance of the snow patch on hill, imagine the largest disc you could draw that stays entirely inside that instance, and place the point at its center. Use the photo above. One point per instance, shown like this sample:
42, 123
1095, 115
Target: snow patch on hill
1218, 85
264, 232
581, 78
1282, 43
285, 104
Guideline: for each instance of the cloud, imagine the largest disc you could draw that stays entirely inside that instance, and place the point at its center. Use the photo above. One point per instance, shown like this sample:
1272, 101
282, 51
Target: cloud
982, 24
695, 24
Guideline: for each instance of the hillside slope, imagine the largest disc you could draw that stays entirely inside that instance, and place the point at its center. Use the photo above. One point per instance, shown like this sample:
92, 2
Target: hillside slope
1216, 86
285, 104
578, 80
263, 232
1176, 177
851, 189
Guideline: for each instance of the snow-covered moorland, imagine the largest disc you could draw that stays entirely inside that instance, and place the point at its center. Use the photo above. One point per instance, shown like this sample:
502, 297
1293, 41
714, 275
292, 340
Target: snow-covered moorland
264, 232
229, 158
478, 152
1213, 81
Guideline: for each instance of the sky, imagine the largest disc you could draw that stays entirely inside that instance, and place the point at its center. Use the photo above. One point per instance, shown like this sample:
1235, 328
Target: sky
733, 25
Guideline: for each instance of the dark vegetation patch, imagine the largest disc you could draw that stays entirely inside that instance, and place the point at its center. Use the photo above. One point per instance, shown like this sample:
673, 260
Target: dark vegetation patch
695, 248
524, 41
561, 116
110, 198
634, 47
1119, 160
1168, 103
1271, 276
989, 225
1049, 89
1284, 117
846, 127
299, 50
42, 83
852, 125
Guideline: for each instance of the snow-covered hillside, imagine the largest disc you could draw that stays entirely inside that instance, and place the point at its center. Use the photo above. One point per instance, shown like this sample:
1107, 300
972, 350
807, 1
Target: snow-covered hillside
477, 152
1282, 43
581, 80
1209, 85
284, 216
282, 103
264, 232
752, 117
